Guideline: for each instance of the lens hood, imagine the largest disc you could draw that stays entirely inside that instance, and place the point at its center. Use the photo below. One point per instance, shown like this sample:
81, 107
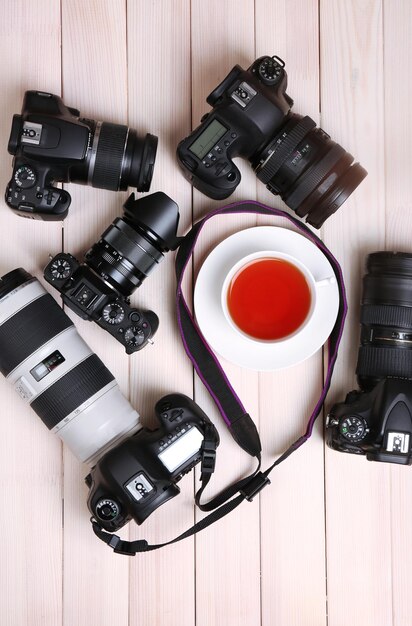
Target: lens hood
158, 216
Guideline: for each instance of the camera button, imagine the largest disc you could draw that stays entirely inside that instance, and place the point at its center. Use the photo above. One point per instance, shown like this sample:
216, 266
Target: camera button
135, 317
222, 167
231, 176
233, 135
227, 142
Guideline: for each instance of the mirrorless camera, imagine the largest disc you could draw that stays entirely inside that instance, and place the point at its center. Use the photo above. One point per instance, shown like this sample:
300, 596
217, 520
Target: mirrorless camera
134, 469
251, 118
116, 265
52, 143
377, 421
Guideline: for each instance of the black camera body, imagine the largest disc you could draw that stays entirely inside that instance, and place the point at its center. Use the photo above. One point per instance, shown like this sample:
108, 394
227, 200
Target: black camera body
247, 109
136, 477
376, 423
93, 300
128, 250
51, 143
251, 118
377, 420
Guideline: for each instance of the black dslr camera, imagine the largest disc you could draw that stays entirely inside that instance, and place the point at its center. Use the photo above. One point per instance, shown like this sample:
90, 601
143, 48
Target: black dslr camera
251, 118
52, 143
136, 477
377, 421
116, 265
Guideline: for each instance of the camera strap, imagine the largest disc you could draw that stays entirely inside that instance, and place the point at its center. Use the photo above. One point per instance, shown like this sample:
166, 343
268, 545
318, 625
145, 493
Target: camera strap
209, 370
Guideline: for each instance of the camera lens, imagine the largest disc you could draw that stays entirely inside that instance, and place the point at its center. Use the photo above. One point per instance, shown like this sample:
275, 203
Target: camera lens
386, 318
312, 174
119, 158
55, 371
135, 244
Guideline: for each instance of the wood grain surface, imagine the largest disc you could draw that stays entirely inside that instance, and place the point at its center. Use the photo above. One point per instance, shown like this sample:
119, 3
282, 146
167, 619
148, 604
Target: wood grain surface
330, 542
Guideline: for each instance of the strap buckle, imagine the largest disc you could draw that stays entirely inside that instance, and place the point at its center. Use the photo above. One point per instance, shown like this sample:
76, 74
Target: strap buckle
254, 486
208, 456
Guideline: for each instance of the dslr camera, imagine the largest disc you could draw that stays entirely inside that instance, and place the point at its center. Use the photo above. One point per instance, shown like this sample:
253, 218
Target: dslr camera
133, 469
52, 143
251, 118
98, 290
377, 420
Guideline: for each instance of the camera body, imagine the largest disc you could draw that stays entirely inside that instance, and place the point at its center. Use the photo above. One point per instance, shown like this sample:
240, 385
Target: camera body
248, 107
85, 293
376, 423
251, 118
377, 420
128, 250
51, 143
133, 479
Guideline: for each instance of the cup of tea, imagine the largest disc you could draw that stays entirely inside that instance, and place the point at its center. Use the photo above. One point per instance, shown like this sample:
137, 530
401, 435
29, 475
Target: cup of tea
269, 296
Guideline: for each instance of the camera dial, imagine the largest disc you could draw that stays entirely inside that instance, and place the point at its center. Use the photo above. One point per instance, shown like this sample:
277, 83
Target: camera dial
353, 428
107, 510
60, 268
25, 177
113, 313
270, 70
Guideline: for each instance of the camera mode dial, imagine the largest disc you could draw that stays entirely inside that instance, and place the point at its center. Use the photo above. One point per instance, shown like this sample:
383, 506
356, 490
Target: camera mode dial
25, 177
113, 313
60, 269
270, 70
353, 428
107, 510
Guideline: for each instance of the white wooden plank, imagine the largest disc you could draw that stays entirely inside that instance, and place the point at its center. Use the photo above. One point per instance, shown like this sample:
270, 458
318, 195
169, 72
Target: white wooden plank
162, 583
227, 555
398, 188
30, 457
292, 523
357, 492
95, 82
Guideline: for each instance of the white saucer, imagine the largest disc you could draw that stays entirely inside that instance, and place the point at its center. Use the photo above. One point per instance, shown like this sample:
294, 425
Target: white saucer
239, 349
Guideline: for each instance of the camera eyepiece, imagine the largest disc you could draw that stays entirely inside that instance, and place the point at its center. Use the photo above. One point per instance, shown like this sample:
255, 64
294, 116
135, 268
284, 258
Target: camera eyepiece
386, 318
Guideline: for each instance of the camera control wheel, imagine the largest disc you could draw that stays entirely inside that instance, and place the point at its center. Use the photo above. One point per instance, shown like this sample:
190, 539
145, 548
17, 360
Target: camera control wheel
353, 428
107, 510
60, 269
113, 313
25, 177
134, 336
270, 70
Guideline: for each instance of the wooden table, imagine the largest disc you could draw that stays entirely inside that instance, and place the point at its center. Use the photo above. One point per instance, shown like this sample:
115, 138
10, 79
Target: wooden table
330, 542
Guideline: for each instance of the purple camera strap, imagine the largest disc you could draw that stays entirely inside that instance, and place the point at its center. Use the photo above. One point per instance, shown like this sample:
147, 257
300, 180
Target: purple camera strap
208, 368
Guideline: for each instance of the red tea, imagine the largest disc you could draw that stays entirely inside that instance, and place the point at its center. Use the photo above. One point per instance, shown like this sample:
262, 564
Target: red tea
269, 298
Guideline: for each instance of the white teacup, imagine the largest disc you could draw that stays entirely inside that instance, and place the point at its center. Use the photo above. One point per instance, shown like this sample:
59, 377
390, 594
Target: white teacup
270, 254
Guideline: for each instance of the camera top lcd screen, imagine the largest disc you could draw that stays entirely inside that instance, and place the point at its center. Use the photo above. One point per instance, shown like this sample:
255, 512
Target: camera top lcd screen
182, 450
210, 136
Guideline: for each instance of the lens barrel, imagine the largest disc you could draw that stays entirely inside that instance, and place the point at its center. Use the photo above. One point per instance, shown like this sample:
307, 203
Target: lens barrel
312, 174
135, 244
55, 371
386, 318
120, 158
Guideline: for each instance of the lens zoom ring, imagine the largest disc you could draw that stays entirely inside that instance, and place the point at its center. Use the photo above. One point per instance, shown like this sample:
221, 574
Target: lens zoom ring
71, 390
109, 156
387, 315
279, 156
380, 362
29, 329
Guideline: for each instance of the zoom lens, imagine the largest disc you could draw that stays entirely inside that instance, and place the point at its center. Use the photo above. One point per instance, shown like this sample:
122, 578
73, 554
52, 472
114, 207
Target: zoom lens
386, 318
135, 244
118, 158
55, 371
312, 174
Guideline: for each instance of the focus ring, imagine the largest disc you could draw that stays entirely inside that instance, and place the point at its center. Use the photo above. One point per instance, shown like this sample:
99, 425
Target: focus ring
314, 176
28, 329
279, 156
386, 315
71, 390
109, 156
380, 362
